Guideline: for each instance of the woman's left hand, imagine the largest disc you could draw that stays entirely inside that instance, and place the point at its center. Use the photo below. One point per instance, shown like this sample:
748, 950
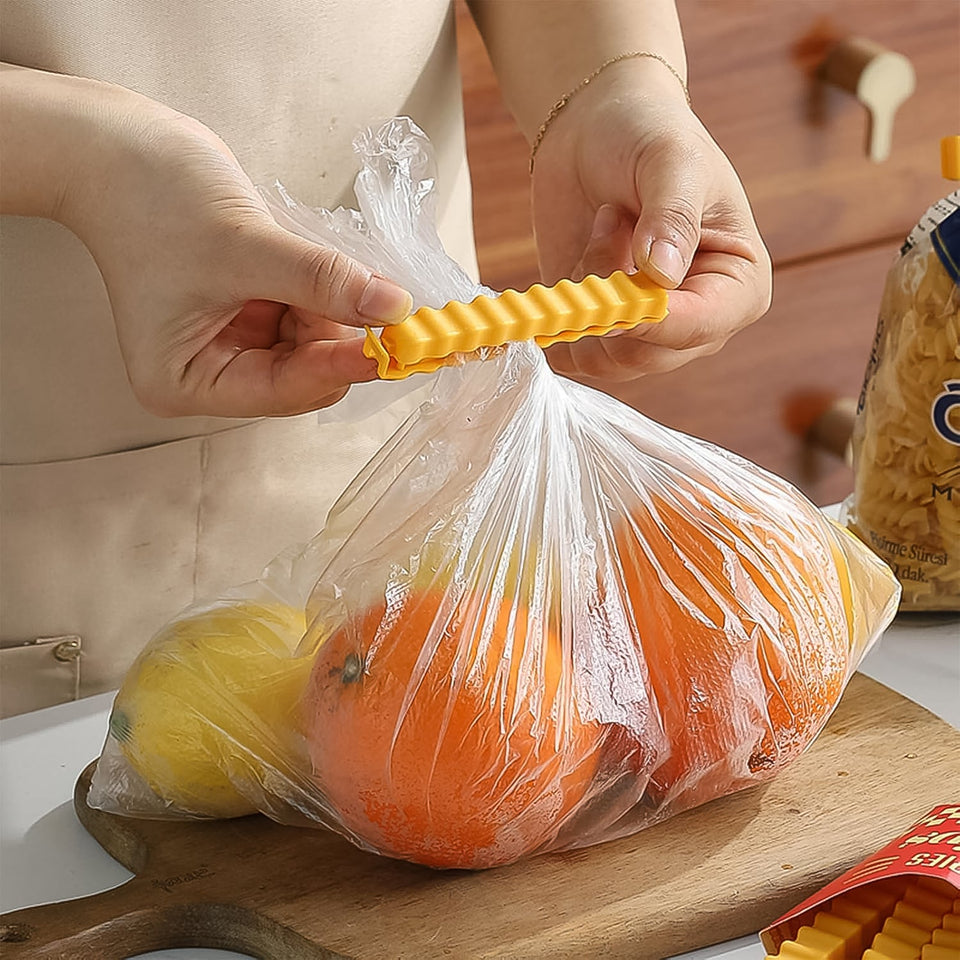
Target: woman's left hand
627, 178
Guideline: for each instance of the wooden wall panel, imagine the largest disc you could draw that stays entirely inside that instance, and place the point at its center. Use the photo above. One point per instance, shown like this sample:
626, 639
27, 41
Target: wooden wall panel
797, 144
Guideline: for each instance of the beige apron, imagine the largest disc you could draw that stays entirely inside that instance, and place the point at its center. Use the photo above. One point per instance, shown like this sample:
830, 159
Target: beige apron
112, 520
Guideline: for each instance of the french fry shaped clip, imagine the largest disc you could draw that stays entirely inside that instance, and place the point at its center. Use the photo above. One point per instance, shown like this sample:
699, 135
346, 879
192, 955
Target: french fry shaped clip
432, 338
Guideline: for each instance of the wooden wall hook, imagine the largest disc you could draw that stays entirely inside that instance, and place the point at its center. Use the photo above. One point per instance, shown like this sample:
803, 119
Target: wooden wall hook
879, 78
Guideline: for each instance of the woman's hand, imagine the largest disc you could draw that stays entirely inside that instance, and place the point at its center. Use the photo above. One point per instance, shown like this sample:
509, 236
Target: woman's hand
218, 309
627, 178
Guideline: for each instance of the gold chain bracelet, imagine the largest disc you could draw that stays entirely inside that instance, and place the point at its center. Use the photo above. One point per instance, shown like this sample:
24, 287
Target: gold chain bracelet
567, 97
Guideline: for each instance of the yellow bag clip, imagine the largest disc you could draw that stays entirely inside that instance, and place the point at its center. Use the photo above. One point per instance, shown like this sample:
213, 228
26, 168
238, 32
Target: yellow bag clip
429, 338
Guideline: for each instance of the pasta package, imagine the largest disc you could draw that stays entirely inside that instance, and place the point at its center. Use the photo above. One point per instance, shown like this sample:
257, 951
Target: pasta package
906, 440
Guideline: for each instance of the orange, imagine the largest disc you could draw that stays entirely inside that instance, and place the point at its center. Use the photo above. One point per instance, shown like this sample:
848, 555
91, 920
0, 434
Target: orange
744, 626
450, 738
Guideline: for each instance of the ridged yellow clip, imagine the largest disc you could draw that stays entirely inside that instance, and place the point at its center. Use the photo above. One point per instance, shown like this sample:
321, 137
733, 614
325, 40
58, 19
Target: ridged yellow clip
429, 338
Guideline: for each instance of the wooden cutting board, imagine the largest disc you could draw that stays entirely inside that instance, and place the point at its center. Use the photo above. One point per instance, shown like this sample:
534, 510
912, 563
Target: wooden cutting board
720, 871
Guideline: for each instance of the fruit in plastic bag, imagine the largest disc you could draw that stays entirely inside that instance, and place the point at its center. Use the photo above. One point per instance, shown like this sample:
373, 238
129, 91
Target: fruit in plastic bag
708, 615
205, 701
537, 620
744, 625
433, 745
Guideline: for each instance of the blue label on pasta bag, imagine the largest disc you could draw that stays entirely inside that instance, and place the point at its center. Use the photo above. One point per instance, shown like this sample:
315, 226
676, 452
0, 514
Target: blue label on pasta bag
943, 405
939, 213
946, 243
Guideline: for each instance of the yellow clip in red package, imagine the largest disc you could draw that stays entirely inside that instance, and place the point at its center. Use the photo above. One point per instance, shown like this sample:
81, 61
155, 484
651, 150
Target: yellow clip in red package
903, 903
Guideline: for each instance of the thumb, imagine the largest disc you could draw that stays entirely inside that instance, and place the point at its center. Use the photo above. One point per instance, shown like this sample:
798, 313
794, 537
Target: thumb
672, 193
322, 281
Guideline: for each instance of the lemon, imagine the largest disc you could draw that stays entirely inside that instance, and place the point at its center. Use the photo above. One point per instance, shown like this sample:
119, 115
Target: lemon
208, 705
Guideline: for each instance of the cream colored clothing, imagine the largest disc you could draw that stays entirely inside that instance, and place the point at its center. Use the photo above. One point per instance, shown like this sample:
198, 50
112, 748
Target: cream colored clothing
111, 520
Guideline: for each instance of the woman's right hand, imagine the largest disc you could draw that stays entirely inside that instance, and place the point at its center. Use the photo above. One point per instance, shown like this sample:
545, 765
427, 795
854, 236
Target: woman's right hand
219, 310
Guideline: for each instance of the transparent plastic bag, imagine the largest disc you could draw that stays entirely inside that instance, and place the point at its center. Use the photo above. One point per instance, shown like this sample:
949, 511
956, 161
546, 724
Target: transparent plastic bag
535, 621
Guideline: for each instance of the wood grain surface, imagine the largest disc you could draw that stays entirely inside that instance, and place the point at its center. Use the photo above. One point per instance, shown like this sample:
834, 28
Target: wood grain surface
716, 872
799, 144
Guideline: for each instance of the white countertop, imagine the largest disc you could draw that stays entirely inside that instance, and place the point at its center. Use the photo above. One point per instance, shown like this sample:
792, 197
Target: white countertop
47, 855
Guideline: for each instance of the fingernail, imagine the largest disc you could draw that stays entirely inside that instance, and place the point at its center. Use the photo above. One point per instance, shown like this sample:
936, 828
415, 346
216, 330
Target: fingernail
605, 222
384, 301
667, 260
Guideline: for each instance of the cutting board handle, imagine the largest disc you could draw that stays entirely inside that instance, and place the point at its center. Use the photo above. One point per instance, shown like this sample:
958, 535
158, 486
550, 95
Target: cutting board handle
159, 909
115, 925
106, 926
